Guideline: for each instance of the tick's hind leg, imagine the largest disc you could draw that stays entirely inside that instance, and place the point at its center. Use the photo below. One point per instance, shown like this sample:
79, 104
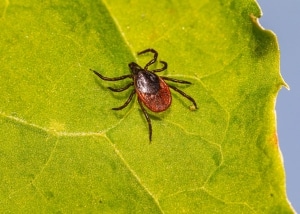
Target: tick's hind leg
127, 101
185, 95
111, 79
147, 118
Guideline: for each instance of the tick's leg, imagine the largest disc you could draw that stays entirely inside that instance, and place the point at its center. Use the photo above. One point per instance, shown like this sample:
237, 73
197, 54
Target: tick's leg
121, 89
147, 118
152, 60
184, 94
112, 79
127, 101
163, 68
175, 80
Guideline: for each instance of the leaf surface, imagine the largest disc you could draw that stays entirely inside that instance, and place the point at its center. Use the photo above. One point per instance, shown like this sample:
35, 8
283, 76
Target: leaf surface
64, 150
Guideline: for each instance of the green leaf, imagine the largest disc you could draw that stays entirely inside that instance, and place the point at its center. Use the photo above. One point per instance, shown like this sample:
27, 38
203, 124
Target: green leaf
64, 150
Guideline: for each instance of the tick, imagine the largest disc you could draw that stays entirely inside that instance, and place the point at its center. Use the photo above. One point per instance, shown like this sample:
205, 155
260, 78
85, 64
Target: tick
151, 89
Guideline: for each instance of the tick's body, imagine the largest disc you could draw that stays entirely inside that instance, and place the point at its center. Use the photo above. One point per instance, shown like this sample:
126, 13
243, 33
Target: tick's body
151, 89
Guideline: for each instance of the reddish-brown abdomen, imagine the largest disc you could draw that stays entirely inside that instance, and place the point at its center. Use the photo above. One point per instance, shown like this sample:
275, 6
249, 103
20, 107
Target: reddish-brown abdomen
159, 101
